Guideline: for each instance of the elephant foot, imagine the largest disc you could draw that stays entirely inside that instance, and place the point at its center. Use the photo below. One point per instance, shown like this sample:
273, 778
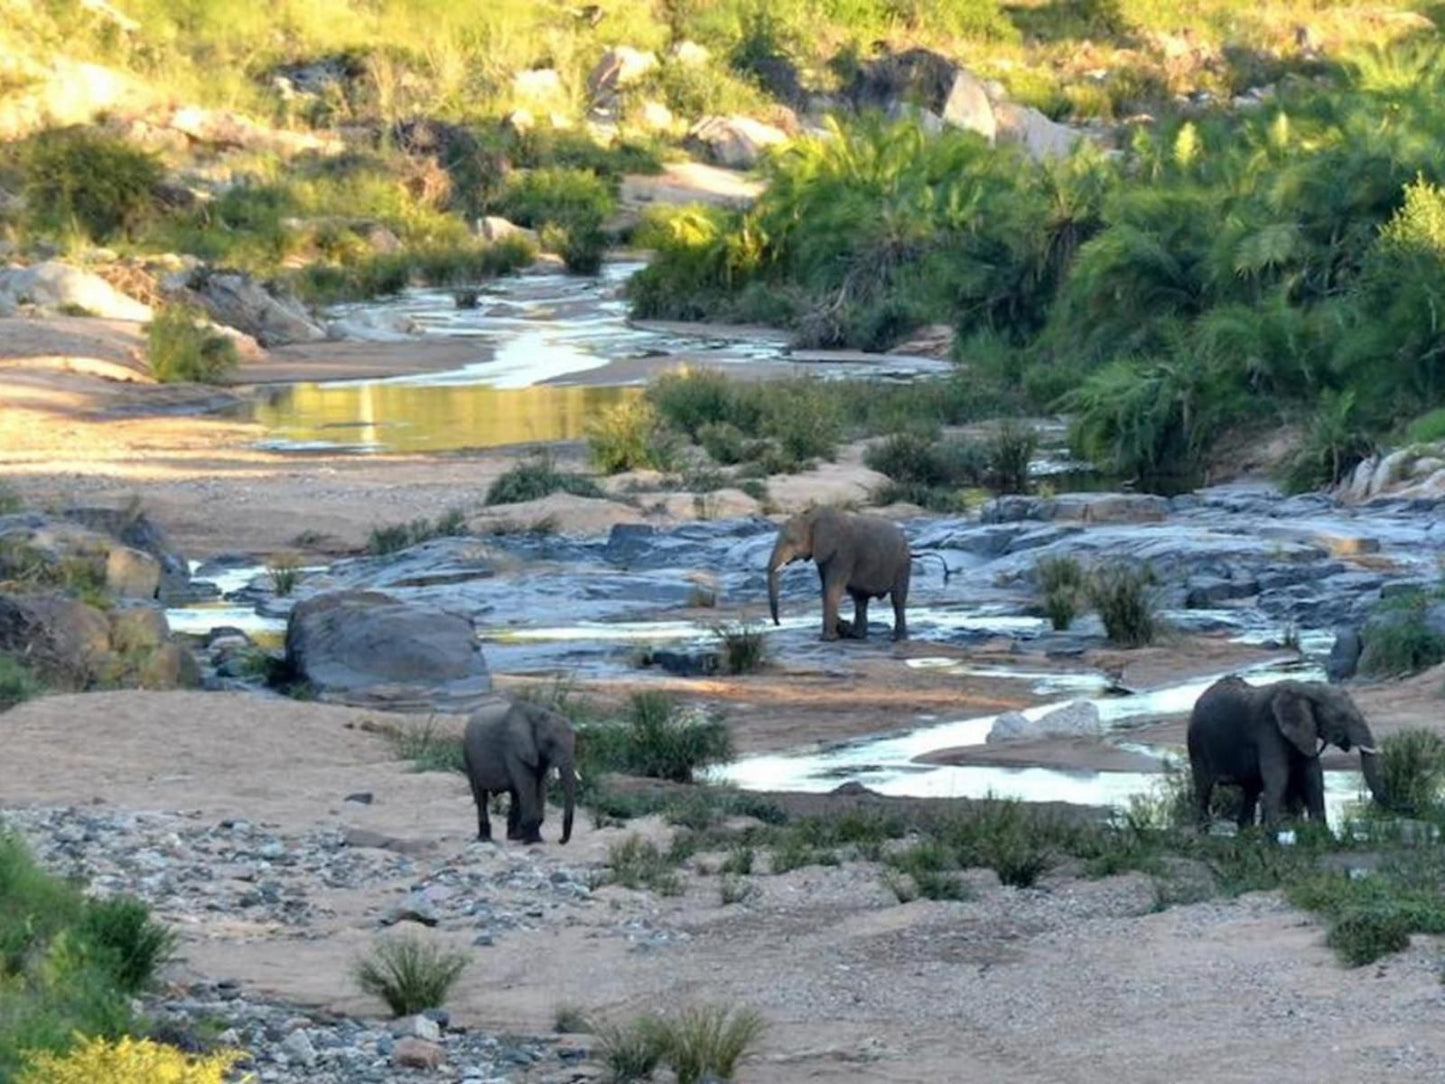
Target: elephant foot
899, 637
514, 833
484, 835
533, 839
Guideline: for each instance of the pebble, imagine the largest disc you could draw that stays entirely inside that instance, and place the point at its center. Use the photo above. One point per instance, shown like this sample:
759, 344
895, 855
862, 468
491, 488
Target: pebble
416, 1054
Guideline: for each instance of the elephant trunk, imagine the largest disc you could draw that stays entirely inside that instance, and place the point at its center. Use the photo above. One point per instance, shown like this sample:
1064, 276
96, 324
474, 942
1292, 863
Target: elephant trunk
568, 775
1364, 741
782, 554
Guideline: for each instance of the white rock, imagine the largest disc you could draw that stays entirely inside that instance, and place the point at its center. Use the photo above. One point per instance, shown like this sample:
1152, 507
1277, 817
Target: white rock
655, 116
51, 284
689, 54
621, 66
539, 87
1079, 718
1041, 137
736, 142
494, 228
298, 1047
967, 106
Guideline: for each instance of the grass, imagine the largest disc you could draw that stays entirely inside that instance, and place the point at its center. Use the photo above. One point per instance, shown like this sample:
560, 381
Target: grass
284, 569
638, 863
568, 207
409, 974
656, 739
69, 964
708, 1041
1399, 640
744, 648
1125, 599
629, 436
1412, 767
538, 477
81, 181
181, 347
1063, 585
632, 1051
17, 683
400, 536
427, 747
569, 1019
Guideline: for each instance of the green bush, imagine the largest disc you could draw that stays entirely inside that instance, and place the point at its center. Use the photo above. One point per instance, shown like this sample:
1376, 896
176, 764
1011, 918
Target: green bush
537, 477
1427, 428
285, 572
1412, 766
744, 648
692, 399
1062, 582
724, 442
409, 974
182, 347
1125, 599
129, 944
1335, 443
1399, 640
1009, 453
638, 863
632, 1051
1363, 936
399, 536
708, 1041
77, 179
17, 683
655, 739
568, 206
629, 436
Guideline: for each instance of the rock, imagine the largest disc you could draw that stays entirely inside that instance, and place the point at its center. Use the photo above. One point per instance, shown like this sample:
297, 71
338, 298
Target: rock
1345, 654
382, 240
967, 106
621, 66
227, 130
1085, 507
416, 1054
655, 116
53, 284
130, 573
688, 54
539, 88
236, 300
368, 649
138, 628
361, 797
931, 341
687, 663
519, 121
136, 529
1079, 718
927, 81
737, 142
1040, 137
418, 1027
1205, 592
494, 228
298, 1047
930, 122
374, 326
170, 666
65, 641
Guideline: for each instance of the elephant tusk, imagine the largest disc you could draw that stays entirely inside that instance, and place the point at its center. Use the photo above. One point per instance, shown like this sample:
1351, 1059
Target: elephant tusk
1370, 749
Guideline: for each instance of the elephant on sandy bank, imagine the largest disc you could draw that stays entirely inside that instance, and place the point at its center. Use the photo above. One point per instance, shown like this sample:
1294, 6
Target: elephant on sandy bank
512, 747
867, 556
1267, 741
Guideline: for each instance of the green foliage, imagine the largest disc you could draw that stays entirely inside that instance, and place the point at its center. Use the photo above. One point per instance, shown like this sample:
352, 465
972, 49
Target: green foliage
630, 436
655, 739
1125, 599
77, 180
569, 206
708, 1041
1412, 767
428, 747
569, 1019
17, 683
536, 477
1335, 442
724, 442
1361, 937
1007, 458
130, 945
398, 536
285, 572
409, 974
381, 274
634, 1050
128, 1061
1426, 429
182, 347
638, 863
744, 648
1399, 640
1063, 584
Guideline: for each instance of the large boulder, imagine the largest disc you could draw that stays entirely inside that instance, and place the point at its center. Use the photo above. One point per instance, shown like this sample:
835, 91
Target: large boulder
621, 66
1039, 136
63, 640
169, 666
236, 300
370, 649
131, 573
1077, 719
736, 142
539, 89
137, 530
52, 285
1345, 654
1080, 507
926, 81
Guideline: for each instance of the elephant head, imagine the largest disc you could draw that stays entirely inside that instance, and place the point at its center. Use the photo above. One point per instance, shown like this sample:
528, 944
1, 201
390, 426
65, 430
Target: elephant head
811, 535
556, 745
1313, 715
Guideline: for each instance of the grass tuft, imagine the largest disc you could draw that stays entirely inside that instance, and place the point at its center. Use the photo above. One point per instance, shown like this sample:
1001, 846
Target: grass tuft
1412, 767
1125, 599
409, 974
182, 347
537, 477
744, 648
656, 739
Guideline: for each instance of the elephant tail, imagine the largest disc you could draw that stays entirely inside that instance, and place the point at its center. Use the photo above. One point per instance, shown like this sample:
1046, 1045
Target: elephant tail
947, 572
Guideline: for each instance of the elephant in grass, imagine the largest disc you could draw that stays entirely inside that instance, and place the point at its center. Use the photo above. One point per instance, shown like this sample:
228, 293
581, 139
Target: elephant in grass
513, 747
1267, 740
864, 555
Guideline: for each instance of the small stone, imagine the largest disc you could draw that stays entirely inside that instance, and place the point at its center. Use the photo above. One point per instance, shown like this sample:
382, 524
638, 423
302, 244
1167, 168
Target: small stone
361, 797
416, 1054
441, 1017
298, 1047
483, 939
415, 908
417, 1027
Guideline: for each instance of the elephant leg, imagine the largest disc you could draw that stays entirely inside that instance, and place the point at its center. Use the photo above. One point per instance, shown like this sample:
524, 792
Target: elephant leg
1312, 782
529, 819
860, 615
542, 797
514, 814
900, 602
1248, 801
1275, 784
1203, 789
833, 586
484, 824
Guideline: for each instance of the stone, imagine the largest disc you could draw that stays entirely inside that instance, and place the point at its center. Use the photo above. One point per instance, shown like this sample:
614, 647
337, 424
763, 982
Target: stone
1078, 718
688, 54
1039, 136
170, 666
519, 121
621, 66
53, 284
66, 641
539, 88
298, 1047
655, 116
1345, 654
361, 797
130, 573
926, 81
138, 628
494, 228
369, 649
416, 1054
419, 1027
737, 142
415, 908
383, 240
930, 341
139, 531
967, 106
237, 301
224, 129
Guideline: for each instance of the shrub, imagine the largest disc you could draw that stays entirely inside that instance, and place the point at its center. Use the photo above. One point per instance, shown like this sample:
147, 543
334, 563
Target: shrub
632, 1051
1363, 936
1399, 640
181, 347
410, 975
744, 648
1124, 597
724, 441
570, 1020
933, 498
17, 683
80, 179
657, 740
637, 863
398, 536
131, 946
629, 436
535, 478
284, 570
1009, 453
689, 399
1335, 442
709, 1041
569, 207
1062, 581
428, 747
1412, 765
908, 458
128, 1061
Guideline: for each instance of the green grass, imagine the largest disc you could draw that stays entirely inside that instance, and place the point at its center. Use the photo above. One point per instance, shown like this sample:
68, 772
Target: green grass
744, 648
655, 738
284, 569
1399, 641
538, 477
17, 683
1412, 767
427, 747
400, 536
632, 1051
1125, 599
708, 1041
409, 974
1063, 584
629, 436
83, 182
182, 347
638, 863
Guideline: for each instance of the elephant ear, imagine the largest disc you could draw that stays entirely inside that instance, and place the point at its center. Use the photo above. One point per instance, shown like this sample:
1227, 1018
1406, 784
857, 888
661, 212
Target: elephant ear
522, 734
1296, 718
827, 534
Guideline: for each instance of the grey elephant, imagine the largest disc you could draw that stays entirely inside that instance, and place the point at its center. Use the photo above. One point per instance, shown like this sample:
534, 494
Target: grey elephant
1267, 741
867, 556
511, 747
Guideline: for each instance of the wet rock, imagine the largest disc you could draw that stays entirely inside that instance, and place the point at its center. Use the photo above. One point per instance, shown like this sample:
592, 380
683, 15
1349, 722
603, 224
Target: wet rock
1085, 507
1080, 718
438, 562
1345, 654
236, 300
369, 649
736, 142
129, 573
51, 285
1205, 592
416, 1054
687, 663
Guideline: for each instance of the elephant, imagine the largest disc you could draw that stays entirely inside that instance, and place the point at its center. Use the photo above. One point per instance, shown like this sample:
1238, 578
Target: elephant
1267, 740
865, 555
512, 746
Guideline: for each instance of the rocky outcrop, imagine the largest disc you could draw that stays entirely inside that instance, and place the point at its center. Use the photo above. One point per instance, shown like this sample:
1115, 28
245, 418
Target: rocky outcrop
1039, 136
370, 649
620, 67
236, 300
736, 142
1416, 471
1080, 507
137, 530
1078, 719
51, 285
494, 228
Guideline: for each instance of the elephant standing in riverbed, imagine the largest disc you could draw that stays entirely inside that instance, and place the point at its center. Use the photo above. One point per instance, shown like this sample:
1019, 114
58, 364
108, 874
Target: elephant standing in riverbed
867, 556
513, 747
1267, 741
